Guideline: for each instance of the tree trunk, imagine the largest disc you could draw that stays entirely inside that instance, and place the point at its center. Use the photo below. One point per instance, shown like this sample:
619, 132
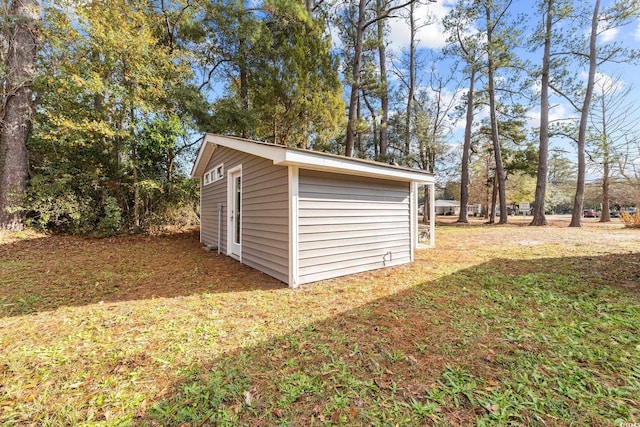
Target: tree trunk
24, 16
605, 215
355, 80
543, 155
310, 5
500, 175
243, 72
466, 150
384, 95
412, 80
578, 201
136, 190
494, 197
374, 124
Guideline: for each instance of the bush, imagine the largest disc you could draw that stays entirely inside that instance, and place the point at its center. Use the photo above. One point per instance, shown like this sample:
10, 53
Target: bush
630, 219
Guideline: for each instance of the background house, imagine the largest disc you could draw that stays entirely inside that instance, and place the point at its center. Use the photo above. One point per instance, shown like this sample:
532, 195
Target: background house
447, 207
302, 216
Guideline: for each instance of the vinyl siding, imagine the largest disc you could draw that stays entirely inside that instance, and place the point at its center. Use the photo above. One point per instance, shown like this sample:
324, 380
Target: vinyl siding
265, 230
347, 224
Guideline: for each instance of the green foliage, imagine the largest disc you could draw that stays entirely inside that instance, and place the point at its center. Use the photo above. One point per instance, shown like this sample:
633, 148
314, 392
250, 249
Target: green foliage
110, 128
283, 80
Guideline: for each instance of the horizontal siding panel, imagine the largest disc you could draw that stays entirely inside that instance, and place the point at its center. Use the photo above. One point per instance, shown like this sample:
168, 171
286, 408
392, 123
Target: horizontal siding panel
335, 235
351, 245
379, 214
265, 240
258, 204
357, 204
262, 265
316, 221
267, 260
265, 208
270, 184
354, 197
272, 222
254, 212
253, 244
266, 257
347, 224
253, 230
352, 226
313, 276
372, 260
328, 179
347, 240
325, 256
267, 190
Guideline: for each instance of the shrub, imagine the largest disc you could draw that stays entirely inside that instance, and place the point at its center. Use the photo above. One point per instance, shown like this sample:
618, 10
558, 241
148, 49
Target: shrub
630, 219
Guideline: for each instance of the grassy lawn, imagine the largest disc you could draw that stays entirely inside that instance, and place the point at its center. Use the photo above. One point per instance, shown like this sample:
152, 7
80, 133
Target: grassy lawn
499, 325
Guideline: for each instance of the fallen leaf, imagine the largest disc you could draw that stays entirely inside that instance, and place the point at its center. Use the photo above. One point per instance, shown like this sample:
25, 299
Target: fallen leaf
353, 412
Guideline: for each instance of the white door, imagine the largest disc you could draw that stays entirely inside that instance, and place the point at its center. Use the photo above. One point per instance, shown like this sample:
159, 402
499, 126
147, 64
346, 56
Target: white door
234, 199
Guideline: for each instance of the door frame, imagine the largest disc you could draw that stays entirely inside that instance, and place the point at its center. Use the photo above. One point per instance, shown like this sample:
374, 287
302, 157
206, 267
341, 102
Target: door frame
231, 200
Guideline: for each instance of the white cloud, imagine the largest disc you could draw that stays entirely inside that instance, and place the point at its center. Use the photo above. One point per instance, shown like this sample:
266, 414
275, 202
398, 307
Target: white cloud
429, 36
557, 113
609, 35
608, 83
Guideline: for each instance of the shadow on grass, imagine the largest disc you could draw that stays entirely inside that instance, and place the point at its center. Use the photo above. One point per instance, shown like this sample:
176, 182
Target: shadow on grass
527, 342
47, 273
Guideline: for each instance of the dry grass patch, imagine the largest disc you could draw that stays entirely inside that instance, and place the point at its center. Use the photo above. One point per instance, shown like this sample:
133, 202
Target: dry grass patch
498, 325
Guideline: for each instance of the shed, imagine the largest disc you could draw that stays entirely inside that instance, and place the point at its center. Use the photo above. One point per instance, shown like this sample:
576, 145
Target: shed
302, 216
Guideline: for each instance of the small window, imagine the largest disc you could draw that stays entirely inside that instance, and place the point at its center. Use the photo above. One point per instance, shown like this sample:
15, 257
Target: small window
214, 174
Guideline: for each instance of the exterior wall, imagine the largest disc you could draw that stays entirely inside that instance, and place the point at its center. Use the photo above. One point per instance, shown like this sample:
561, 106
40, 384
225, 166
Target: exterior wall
348, 224
265, 230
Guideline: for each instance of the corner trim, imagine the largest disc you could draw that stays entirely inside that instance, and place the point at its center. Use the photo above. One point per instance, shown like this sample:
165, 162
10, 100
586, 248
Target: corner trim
294, 194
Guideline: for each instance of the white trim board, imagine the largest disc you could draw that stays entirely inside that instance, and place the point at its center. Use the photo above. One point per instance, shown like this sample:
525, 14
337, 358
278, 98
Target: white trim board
294, 234
230, 212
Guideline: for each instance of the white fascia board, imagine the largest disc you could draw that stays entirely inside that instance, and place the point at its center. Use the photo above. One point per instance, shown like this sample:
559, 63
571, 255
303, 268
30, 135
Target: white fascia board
198, 167
335, 164
210, 142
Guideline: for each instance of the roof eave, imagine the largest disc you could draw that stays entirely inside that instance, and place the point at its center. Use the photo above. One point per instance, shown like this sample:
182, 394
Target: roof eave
284, 156
318, 161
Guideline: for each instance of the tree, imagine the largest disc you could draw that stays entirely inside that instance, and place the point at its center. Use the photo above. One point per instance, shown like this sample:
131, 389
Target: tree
16, 112
613, 121
281, 78
543, 151
576, 216
110, 74
410, 80
465, 46
495, 47
618, 14
361, 23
